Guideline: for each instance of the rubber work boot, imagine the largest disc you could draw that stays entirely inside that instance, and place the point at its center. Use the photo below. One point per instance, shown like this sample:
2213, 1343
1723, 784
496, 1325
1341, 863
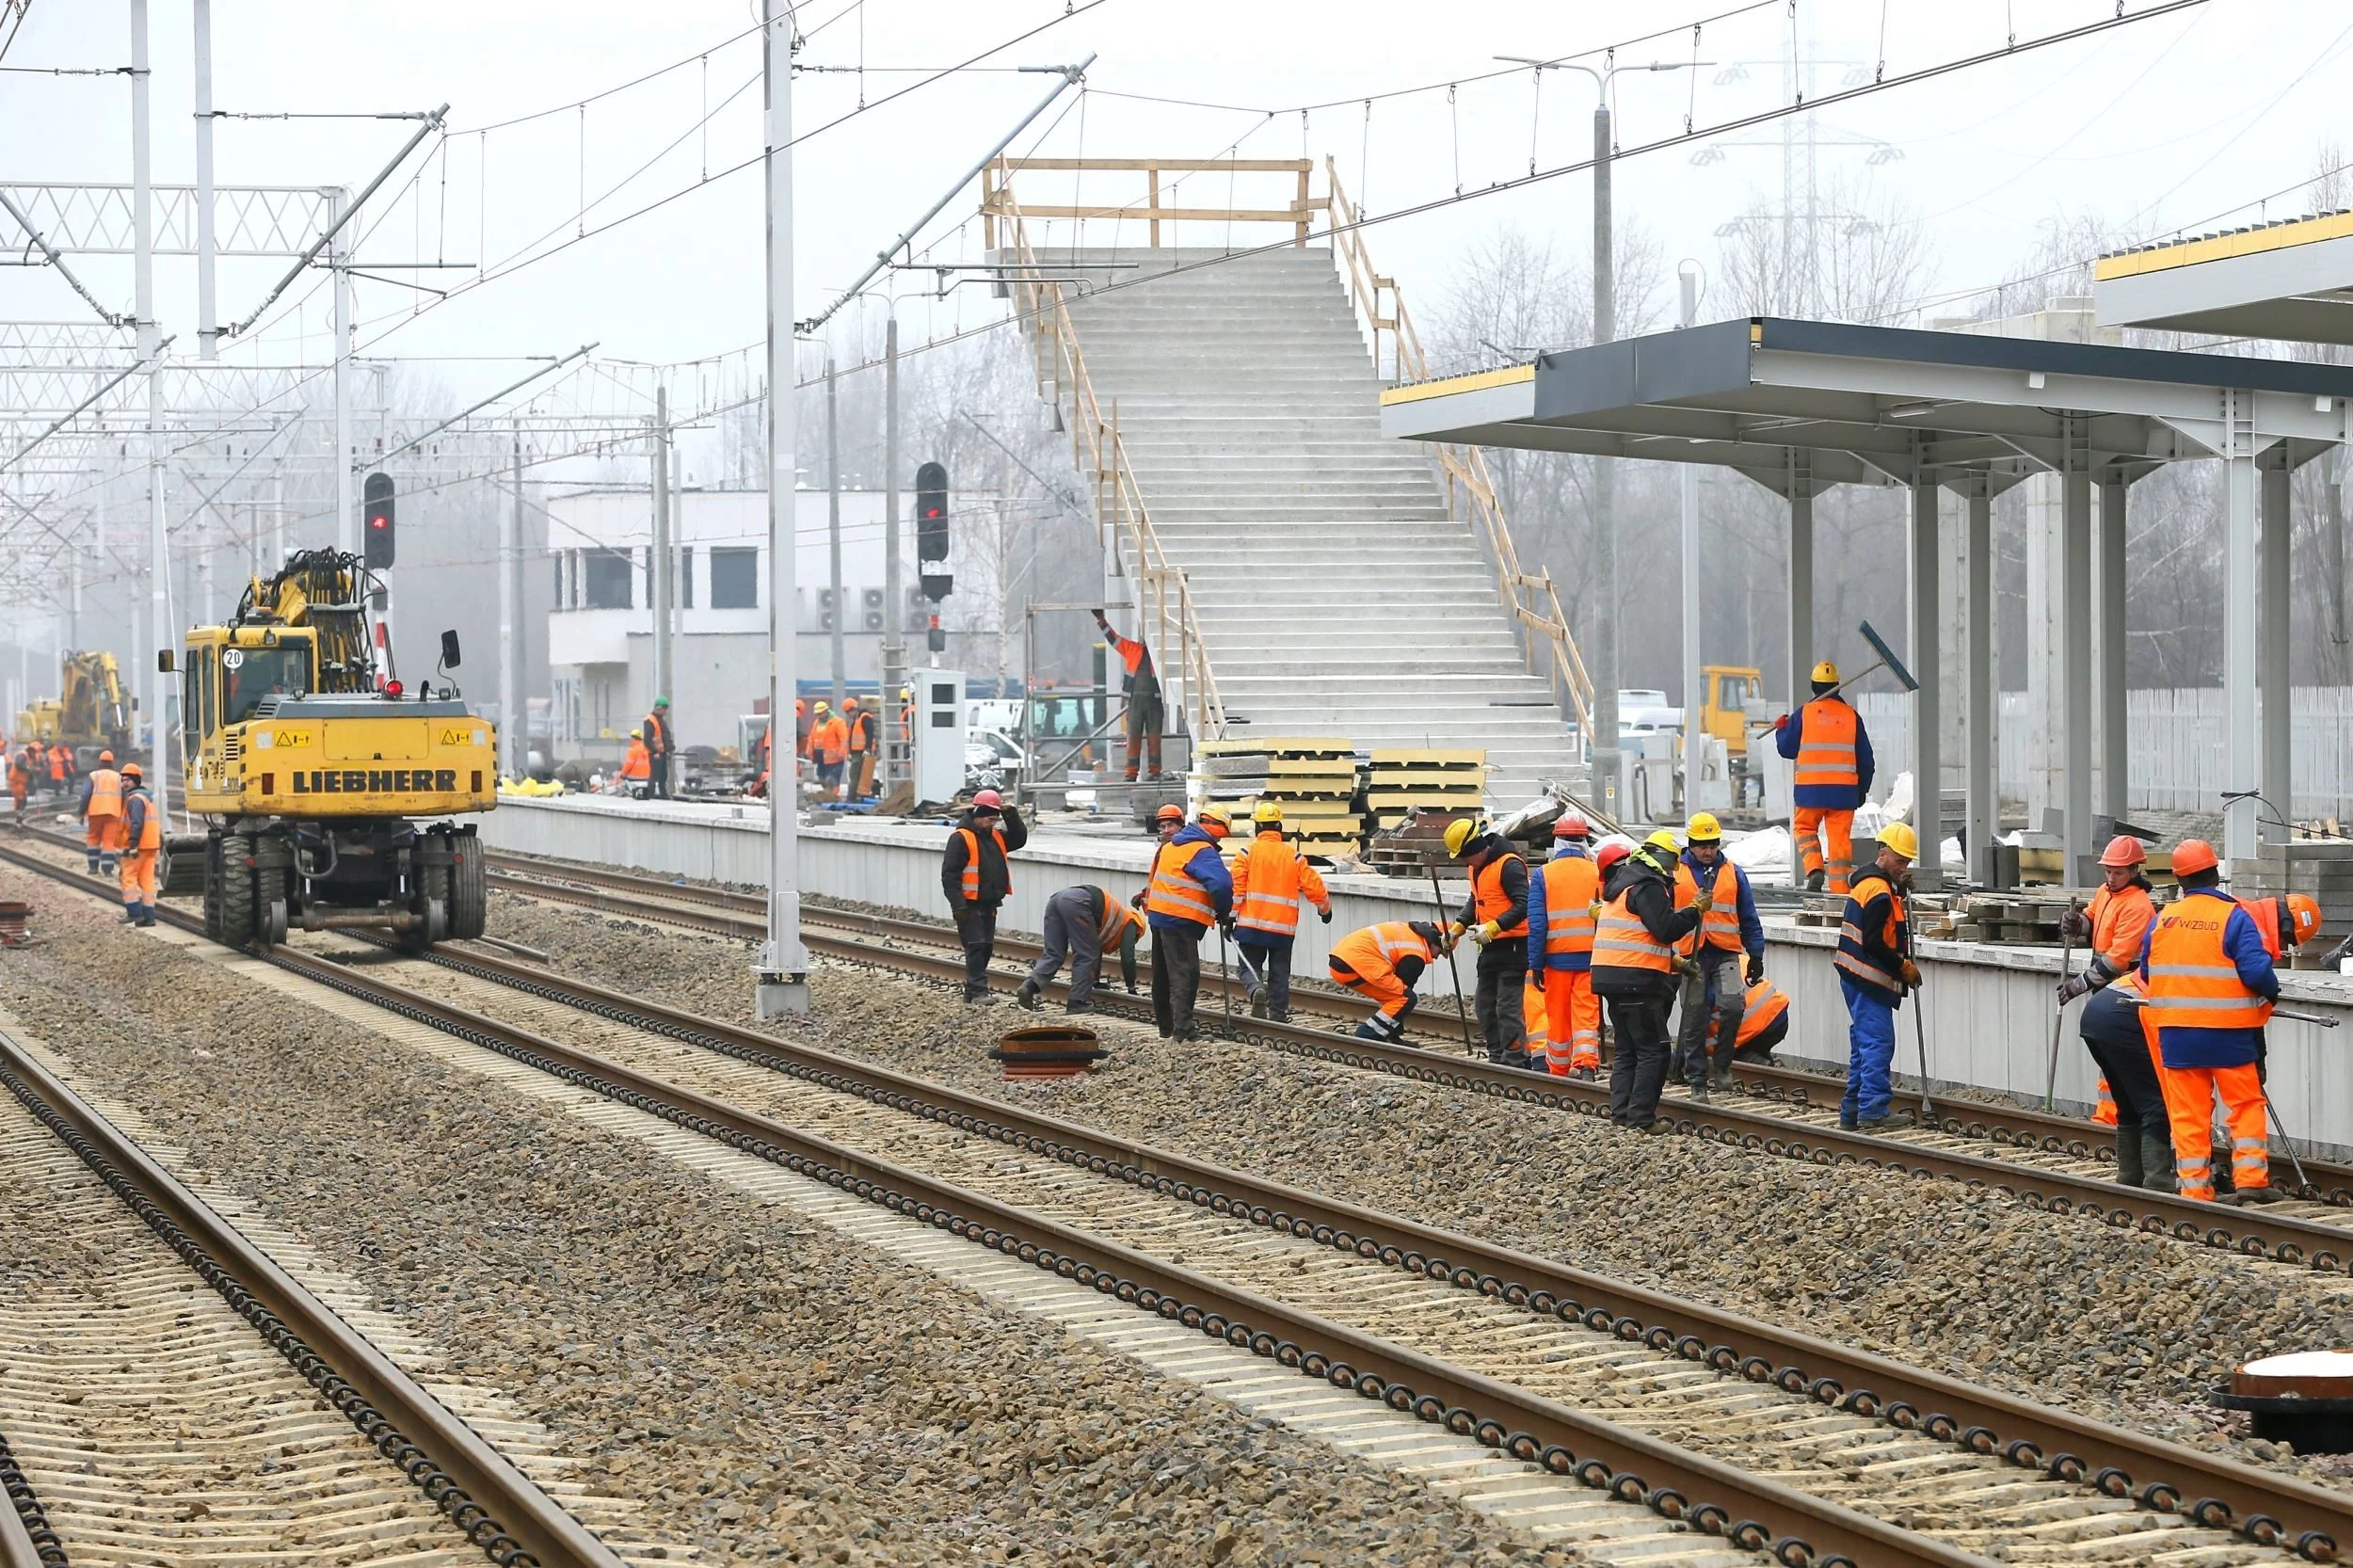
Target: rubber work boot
1586, 1074
147, 914
1027, 995
131, 914
2130, 1171
2260, 1194
1816, 881
1723, 1078
1070, 1007
2157, 1162
1698, 1094
1872, 1125
1257, 1001
93, 862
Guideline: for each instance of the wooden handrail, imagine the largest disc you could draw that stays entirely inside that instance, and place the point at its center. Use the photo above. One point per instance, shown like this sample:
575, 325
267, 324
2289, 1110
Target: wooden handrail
1382, 307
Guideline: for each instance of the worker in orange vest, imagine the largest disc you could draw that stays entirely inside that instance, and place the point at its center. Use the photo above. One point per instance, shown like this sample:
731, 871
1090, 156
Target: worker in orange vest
1382, 963
1561, 902
800, 727
864, 736
637, 764
1146, 716
143, 842
1496, 917
1086, 924
2115, 1028
829, 746
1763, 1023
976, 878
763, 762
60, 766
1271, 880
1876, 971
101, 809
661, 744
1191, 891
1729, 930
1826, 739
2210, 985
20, 778
1635, 966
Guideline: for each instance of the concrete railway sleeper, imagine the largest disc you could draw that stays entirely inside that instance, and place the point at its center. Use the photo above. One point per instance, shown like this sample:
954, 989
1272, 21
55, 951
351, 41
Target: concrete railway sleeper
492, 1504
721, 912
2203, 1490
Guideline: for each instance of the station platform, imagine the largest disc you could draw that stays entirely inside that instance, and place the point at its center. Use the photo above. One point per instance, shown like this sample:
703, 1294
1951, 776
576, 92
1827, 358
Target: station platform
1986, 1008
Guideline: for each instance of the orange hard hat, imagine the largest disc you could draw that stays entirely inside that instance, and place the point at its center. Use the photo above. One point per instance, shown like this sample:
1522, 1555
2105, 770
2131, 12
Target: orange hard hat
1169, 813
105, 756
1572, 825
2304, 910
2193, 854
2123, 849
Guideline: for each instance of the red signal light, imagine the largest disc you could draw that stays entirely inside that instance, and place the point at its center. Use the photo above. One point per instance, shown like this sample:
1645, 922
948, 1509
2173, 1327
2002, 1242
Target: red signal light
393, 688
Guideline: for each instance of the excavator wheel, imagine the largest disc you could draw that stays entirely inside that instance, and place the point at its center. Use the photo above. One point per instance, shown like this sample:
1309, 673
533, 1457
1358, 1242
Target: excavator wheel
236, 889
469, 887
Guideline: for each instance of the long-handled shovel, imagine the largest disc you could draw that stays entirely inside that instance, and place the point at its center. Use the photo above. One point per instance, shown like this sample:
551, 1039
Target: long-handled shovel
1463, 1012
2058, 1011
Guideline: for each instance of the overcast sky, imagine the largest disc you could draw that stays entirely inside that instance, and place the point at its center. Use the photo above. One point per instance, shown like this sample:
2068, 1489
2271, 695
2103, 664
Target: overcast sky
2177, 120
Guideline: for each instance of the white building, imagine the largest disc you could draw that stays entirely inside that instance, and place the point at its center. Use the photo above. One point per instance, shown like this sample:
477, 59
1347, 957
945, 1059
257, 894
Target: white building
600, 631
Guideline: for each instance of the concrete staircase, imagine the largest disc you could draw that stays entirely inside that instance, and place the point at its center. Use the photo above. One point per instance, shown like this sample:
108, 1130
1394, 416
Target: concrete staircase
1336, 594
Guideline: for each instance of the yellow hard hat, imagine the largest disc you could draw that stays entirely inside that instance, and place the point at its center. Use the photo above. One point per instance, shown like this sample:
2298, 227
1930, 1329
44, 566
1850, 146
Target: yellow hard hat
1826, 673
825, 707
1703, 828
1899, 837
636, 734
1215, 819
907, 691
1267, 811
1664, 839
1460, 833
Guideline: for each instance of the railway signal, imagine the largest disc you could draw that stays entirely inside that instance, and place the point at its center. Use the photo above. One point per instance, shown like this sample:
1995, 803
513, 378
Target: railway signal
375, 514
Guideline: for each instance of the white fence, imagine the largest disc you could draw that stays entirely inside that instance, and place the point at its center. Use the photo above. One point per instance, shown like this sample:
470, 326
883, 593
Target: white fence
2175, 736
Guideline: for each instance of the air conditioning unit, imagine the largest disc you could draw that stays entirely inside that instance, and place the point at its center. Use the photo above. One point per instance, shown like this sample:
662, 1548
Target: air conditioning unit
871, 602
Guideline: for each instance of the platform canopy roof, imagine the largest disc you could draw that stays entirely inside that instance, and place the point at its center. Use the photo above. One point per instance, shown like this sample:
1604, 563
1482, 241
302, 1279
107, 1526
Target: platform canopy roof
2291, 279
1804, 405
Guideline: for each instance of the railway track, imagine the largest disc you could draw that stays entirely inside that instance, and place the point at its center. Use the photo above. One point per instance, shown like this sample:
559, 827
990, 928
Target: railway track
2312, 1229
2018, 1130
200, 1430
1781, 1442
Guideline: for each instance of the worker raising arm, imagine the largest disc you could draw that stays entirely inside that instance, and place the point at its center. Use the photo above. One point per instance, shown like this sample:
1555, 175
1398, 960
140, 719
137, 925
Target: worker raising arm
976, 879
1145, 714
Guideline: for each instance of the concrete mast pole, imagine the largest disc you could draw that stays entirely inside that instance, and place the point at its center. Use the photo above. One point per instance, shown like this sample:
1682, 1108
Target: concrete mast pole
207, 327
149, 341
1695, 679
1609, 767
783, 972
510, 541
898, 743
665, 568
833, 536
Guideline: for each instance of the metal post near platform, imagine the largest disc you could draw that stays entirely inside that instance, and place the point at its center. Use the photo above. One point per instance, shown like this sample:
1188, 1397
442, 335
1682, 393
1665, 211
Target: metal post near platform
833, 537
1928, 765
512, 738
1800, 574
2111, 745
2276, 662
782, 972
1694, 678
661, 582
2075, 644
2241, 759
1984, 810
898, 743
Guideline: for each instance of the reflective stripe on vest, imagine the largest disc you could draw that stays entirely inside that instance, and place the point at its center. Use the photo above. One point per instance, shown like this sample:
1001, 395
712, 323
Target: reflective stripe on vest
1174, 890
1765, 1003
1488, 899
145, 822
106, 793
1721, 926
2119, 921
1572, 883
1376, 949
1117, 916
1892, 938
2193, 983
972, 861
1623, 942
1272, 902
1826, 744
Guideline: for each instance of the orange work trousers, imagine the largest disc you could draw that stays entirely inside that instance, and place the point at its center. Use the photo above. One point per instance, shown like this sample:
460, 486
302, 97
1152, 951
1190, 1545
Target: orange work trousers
103, 833
1571, 1022
139, 877
2189, 1094
1825, 843
1383, 990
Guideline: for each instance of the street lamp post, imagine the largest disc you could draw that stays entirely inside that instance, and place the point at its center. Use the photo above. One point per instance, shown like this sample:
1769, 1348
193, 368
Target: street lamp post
1608, 764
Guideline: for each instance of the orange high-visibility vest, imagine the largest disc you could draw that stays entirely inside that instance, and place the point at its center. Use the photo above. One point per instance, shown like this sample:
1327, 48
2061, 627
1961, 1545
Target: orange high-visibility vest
57, 764
2118, 922
1721, 926
1826, 744
1374, 951
1174, 892
1572, 883
1851, 936
2270, 914
1488, 899
1269, 883
105, 792
1117, 918
1623, 942
972, 861
1766, 1002
142, 820
2193, 983
637, 762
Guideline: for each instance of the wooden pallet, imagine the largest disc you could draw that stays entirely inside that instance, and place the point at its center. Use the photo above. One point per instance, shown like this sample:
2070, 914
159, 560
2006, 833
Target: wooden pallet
1405, 779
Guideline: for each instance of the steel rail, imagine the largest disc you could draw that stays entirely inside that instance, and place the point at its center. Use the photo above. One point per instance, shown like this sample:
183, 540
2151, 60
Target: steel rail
1798, 1529
2207, 1490
497, 1507
26, 1539
2016, 1127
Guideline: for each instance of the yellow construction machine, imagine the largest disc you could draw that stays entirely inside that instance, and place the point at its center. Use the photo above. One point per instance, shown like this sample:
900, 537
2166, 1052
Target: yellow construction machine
318, 775
90, 713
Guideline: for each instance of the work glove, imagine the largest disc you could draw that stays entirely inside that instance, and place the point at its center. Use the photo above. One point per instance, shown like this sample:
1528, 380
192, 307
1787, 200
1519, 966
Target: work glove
1324, 915
1756, 968
1704, 897
1688, 967
1536, 978
2073, 986
1225, 927
1099, 620
1487, 932
1911, 972
1137, 901
1453, 932
2074, 925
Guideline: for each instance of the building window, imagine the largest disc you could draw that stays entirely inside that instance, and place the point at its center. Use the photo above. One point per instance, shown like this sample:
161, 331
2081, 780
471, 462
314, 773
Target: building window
605, 579
557, 561
735, 579
685, 592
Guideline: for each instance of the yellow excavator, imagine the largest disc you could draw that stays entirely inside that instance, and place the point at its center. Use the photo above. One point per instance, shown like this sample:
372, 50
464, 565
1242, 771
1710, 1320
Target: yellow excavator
320, 775
89, 714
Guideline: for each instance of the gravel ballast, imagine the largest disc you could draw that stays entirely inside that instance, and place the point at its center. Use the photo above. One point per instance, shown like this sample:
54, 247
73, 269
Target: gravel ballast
2064, 1310
772, 1391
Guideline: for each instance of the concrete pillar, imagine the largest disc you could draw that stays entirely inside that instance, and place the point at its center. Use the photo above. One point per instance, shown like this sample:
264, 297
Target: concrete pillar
1928, 735
2241, 759
1800, 575
2075, 611
2278, 590
2045, 644
1984, 779
1952, 637
2111, 745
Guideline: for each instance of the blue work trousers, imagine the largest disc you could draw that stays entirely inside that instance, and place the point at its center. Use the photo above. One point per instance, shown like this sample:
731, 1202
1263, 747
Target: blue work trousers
1870, 1051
